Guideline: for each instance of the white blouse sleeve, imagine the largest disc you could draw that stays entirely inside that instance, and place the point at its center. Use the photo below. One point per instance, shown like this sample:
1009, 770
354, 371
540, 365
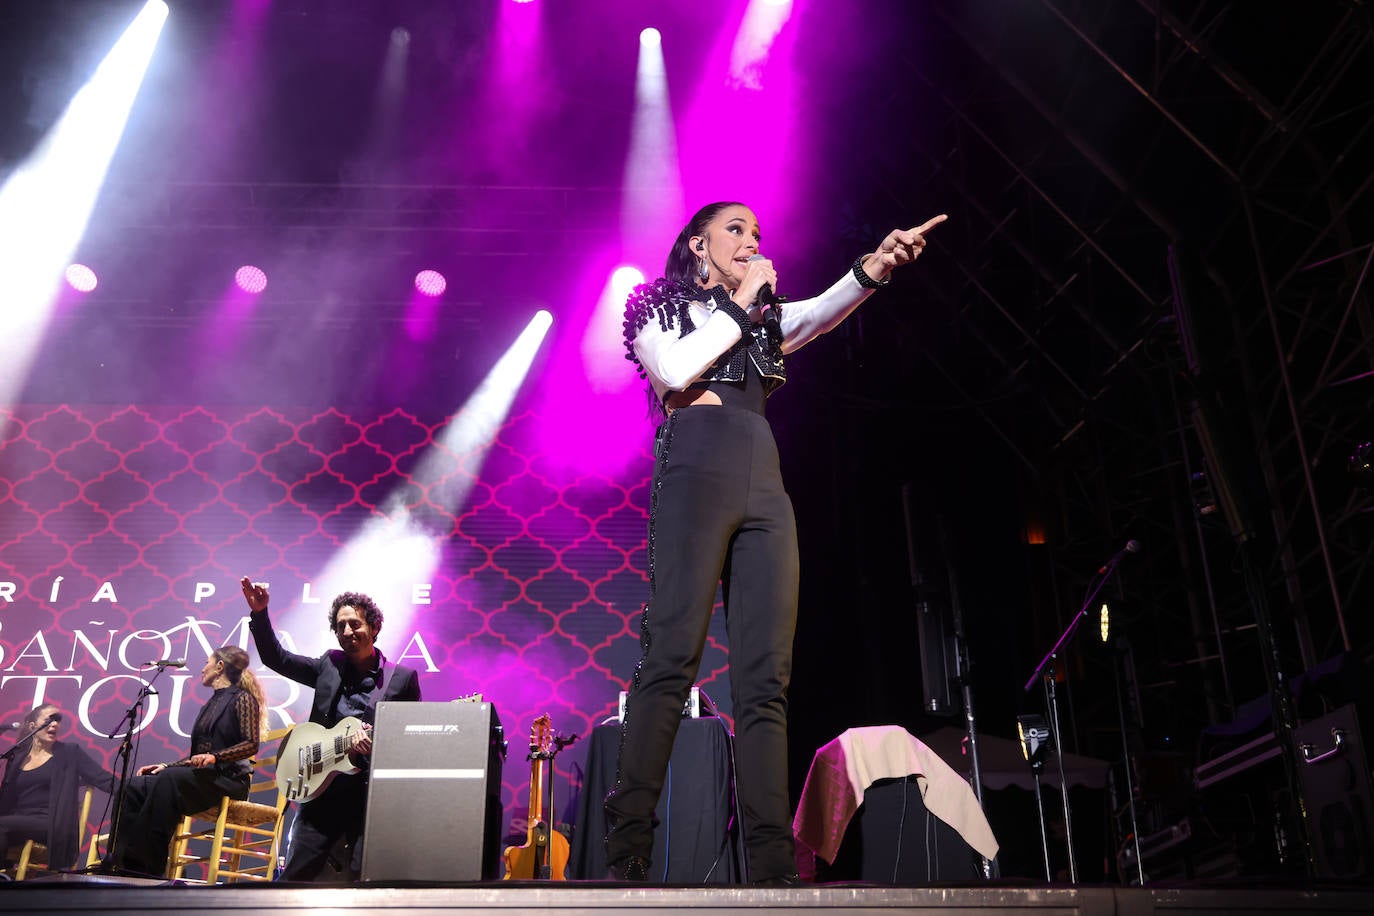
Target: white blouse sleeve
676, 361
805, 320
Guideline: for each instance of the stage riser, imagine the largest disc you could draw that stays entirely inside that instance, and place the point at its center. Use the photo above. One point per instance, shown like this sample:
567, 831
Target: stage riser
72, 897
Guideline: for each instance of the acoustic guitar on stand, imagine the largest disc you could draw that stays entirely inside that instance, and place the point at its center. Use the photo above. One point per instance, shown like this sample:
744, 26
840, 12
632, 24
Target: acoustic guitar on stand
544, 854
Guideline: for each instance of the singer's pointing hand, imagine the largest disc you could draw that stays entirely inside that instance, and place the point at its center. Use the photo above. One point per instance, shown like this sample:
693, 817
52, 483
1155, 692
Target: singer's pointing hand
902, 246
256, 593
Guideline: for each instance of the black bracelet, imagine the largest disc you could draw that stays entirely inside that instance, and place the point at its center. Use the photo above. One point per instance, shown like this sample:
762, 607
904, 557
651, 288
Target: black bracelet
864, 279
727, 305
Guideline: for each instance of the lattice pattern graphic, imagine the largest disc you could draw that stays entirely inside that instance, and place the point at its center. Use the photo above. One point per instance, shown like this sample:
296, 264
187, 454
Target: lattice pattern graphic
123, 531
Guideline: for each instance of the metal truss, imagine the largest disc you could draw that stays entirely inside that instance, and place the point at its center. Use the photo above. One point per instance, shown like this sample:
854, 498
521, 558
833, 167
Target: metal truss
1089, 140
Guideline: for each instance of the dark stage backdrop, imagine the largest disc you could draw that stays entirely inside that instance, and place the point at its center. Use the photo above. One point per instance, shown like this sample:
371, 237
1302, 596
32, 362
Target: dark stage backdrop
124, 529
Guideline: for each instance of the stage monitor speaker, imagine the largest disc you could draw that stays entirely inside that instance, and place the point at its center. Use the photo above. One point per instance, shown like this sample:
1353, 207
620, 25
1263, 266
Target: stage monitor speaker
434, 805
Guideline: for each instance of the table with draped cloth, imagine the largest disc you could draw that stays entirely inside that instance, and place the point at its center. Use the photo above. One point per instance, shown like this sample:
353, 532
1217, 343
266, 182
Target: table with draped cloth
697, 841
844, 769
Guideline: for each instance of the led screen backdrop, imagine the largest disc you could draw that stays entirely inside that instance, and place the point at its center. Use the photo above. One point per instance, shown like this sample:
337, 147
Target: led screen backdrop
124, 530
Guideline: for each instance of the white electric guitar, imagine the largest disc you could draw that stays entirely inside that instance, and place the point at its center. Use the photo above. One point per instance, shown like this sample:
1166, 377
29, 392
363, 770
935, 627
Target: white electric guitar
310, 755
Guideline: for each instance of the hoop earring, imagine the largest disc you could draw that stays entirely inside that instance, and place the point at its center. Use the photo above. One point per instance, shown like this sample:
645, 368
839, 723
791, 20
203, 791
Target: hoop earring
703, 270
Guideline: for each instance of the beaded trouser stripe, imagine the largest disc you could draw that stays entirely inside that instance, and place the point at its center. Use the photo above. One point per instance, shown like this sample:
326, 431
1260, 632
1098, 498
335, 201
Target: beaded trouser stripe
663, 441
721, 517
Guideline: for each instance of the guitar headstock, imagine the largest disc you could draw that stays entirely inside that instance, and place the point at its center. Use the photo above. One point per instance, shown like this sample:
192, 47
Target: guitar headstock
541, 735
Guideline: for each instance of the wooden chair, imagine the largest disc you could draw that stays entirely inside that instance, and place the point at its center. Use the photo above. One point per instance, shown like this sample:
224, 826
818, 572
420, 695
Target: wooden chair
236, 830
33, 855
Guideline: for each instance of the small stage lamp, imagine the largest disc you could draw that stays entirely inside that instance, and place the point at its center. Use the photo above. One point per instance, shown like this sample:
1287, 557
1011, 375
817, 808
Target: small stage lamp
1035, 745
1035, 739
1105, 627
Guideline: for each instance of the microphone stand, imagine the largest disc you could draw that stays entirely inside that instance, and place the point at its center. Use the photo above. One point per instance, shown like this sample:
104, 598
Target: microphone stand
125, 755
1046, 671
9, 754
1036, 767
962, 668
559, 742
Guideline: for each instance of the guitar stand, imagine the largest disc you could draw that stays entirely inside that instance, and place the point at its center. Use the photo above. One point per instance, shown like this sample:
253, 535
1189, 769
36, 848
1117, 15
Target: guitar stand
559, 742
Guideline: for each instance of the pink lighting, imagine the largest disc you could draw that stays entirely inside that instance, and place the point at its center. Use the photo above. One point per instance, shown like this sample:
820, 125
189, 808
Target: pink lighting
763, 20
623, 280
430, 283
250, 279
81, 278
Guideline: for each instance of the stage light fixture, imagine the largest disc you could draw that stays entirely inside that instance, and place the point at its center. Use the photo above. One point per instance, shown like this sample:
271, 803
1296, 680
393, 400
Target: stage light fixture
1035, 739
1105, 628
250, 279
81, 278
650, 37
430, 283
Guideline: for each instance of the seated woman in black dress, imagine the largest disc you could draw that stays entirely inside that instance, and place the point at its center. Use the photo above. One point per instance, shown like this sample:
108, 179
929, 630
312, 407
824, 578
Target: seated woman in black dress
40, 797
224, 740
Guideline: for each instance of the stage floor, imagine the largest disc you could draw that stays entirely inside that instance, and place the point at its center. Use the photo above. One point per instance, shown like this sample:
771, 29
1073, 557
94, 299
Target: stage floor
54, 896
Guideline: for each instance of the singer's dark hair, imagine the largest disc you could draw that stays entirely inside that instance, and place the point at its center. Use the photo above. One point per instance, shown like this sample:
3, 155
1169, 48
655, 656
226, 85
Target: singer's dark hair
33, 715
682, 264
359, 602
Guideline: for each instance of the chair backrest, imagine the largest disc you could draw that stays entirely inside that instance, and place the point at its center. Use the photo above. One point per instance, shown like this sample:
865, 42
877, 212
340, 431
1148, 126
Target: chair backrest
33, 855
264, 777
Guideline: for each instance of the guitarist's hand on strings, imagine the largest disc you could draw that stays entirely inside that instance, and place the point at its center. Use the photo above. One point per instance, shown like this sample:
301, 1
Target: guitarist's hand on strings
361, 742
255, 593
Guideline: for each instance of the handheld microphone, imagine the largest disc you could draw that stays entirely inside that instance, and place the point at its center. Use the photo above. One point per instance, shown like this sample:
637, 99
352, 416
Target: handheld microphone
166, 663
1132, 546
768, 301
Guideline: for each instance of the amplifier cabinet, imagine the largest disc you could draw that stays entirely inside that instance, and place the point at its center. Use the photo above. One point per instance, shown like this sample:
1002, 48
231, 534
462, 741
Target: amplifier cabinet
434, 803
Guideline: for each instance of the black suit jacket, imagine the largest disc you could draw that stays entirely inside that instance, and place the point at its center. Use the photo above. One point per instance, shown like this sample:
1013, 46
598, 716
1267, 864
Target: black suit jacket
326, 672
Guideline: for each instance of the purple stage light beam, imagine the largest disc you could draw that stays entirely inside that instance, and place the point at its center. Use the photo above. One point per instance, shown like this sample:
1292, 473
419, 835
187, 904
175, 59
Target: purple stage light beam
46, 202
400, 547
763, 20
750, 74
651, 201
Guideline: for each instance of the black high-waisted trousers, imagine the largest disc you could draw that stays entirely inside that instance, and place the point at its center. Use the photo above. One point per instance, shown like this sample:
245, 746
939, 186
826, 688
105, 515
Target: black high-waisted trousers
719, 514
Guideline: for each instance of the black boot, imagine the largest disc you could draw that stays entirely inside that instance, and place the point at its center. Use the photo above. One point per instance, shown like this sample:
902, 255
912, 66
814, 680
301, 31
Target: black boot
634, 870
792, 880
